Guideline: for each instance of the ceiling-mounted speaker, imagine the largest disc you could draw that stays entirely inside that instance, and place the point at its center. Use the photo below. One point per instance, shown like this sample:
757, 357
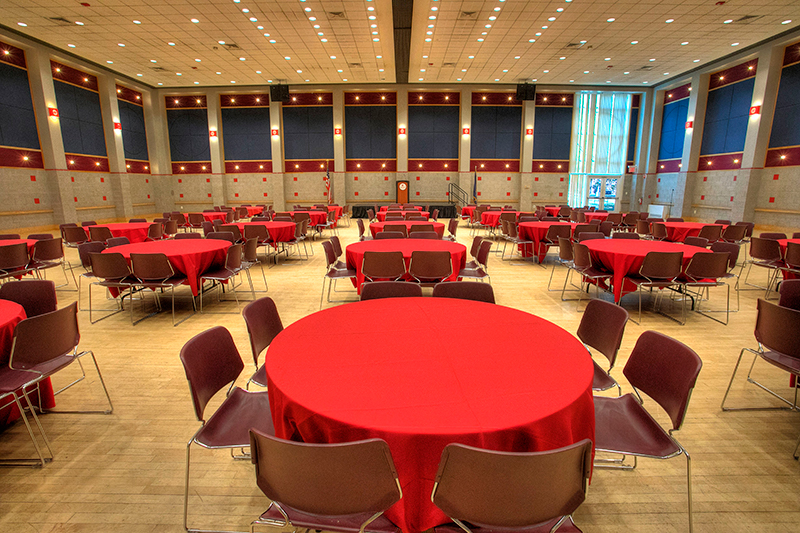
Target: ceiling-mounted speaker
279, 93
526, 91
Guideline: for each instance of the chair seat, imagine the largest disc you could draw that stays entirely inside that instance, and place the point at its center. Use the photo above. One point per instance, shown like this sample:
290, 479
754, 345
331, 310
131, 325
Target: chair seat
472, 273
594, 273
218, 274
230, 425
622, 425
260, 376
175, 281
601, 380
12, 380
782, 361
346, 523
54, 365
339, 274
567, 527
638, 280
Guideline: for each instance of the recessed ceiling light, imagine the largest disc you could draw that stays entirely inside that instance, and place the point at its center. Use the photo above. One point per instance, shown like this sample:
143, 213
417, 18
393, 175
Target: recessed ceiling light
786, 22
551, 19
344, 79
607, 59
79, 23
253, 19
505, 70
221, 42
666, 74
611, 20
463, 70
333, 57
608, 81
432, 17
178, 74
420, 79
583, 42
381, 57
562, 58
422, 70
380, 70
273, 41
171, 44
245, 10
299, 71
195, 21
339, 71
137, 21
531, 40
497, 9
471, 57
110, 62
312, 19
586, 72
432, 9
258, 72
197, 83
644, 82
140, 75
560, 9
734, 44
458, 79
307, 9
242, 59
219, 72
160, 83
260, 27
373, 17
545, 71
71, 45
492, 18
324, 40
684, 43
626, 72
153, 61
669, 21
488, 26
571, 81
634, 42
727, 21
544, 27
22, 24
232, 81
497, 79
696, 61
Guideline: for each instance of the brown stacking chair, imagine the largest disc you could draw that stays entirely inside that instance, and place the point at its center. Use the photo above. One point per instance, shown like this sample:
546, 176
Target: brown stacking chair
14, 260
154, 271
465, 290
765, 253
674, 219
415, 228
790, 294
39, 236
551, 238
582, 263
262, 236
88, 223
703, 272
183, 236
212, 363
263, 325
511, 233
580, 228
222, 236
772, 236
723, 222
666, 370
15, 236
332, 274
196, 220
361, 235
479, 270
700, 242
389, 235
36, 296
397, 228
431, 235
73, 236
624, 235
565, 258
343, 487
734, 234
658, 231
660, 270
643, 229
49, 253
791, 259
373, 290
233, 228
732, 250
371, 215
430, 267
378, 266
84, 249
487, 490
100, 233
157, 232
712, 233
111, 271
602, 327
452, 228
117, 241
223, 275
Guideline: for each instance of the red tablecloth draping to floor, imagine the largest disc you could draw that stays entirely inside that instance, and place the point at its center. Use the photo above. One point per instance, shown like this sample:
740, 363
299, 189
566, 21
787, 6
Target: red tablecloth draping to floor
590, 215
337, 209
422, 373
216, 215
385, 208
623, 257
11, 314
467, 210
492, 218
134, 231
678, 231
317, 217
553, 210
784, 243
536, 231
190, 257
377, 227
355, 253
382, 215
278, 231
253, 210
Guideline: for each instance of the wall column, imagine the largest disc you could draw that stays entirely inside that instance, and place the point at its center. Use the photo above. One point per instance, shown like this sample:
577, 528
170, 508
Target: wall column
157, 131
120, 180
464, 175
275, 188
526, 163
692, 142
338, 184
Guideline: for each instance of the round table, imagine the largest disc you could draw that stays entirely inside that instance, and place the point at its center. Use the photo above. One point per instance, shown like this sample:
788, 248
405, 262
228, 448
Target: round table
278, 231
552, 210
28, 242
591, 215
391, 369
377, 227
211, 216
535, 232
784, 243
382, 215
467, 210
317, 217
492, 218
253, 210
134, 231
190, 257
678, 231
624, 256
355, 253
385, 208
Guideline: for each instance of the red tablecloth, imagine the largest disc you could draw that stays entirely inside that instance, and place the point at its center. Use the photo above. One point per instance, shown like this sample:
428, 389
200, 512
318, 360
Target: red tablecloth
377, 227
385, 208
355, 253
337, 209
590, 215
279, 231
191, 257
134, 231
390, 369
253, 211
11, 314
625, 256
467, 210
9, 242
382, 215
784, 243
212, 216
317, 217
553, 211
536, 231
678, 231
492, 218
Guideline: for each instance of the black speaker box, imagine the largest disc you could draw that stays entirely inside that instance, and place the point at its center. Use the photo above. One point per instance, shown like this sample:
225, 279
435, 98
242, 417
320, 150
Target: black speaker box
279, 93
526, 91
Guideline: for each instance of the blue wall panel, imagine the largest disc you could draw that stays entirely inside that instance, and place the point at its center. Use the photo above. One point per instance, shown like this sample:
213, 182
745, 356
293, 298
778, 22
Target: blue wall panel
727, 114
188, 134
673, 130
17, 119
496, 132
134, 138
552, 132
433, 132
634, 124
785, 130
246, 133
81, 120
370, 132
308, 132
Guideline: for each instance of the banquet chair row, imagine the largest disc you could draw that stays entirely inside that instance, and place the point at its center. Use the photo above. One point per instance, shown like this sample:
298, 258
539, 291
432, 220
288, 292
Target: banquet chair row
464, 290
426, 267
46, 253
765, 252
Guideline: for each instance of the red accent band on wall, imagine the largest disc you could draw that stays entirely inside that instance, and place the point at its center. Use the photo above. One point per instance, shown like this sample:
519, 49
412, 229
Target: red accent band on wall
248, 167
550, 165
87, 163
16, 158
495, 99
495, 165
129, 95
307, 165
371, 165
73, 76
191, 167
678, 93
307, 99
244, 100
191, 101
783, 157
370, 98
137, 167
668, 165
719, 162
791, 54
433, 165
555, 99
15, 56
731, 75
433, 98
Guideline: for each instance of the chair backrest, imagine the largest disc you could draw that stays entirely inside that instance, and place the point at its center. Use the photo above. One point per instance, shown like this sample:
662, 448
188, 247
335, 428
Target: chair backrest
74, 234
776, 328
615, 218
419, 227
625, 235
120, 241
389, 235
222, 236
734, 233
256, 231
156, 231
465, 290
630, 218
705, 266
89, 223
218, 223
179, 236
47, 250
373, 290
723, 222
233, 258
527, 217
400, 228
662, 265
659, 230
100, 233
39, 236
45, 337
452, 226
424, 235
393, 217
263, 324
496, 489
700, 242
211, 362
360, 224
250, 250
208, 227
580, 228
565, 252
581, 256
109, 266
772, 236
792, 256
13, 256
666, 370
14, 236
36, 296
749, 226
605, 227
790, 294
196, 219
383, 265
712, 233
233, 228
765, 249
151, 267
483, 253
326, 479
602, 327
558, 230
476, 245
370, 213
642, 227
674, 219
85, 248
732, 249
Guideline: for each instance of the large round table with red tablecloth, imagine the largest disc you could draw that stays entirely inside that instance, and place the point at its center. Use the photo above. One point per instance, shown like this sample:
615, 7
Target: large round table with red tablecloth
678, 231
591, 215
392, 369
467, 210
625, 256
317, 217
190, 257
385, 208
253, 210
784, 244
382, 215
211, 216
11, 314
377, 227
278, 231
492, 218
535, 232
355, 253
552, 210
134, 231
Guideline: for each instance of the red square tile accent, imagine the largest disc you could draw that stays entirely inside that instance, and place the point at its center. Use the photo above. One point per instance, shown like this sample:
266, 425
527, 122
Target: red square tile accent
33, 178
209, 195
236, 195
386, 178
147, 180
180, 181
355, 194
508, 194
208, 180
386, 194
734, 178
479, 178
479, 193
181, 195
417, 178
775, 176
264, 179
295, 178
562, 179
417, 193
731, 198
355, 178
73, 179
771, 199
75, 198
325, 194
148, 196
102, 180
235, 180
447, 178
447, 193
265, 194
295, 193
36, 200
705, 178
656, 196
536, 178
536, 194
648, 196
702, 196
508, 178
659, 180
561, 194
104, 198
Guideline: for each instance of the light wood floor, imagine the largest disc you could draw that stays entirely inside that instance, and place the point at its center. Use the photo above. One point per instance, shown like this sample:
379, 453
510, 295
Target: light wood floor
124, 472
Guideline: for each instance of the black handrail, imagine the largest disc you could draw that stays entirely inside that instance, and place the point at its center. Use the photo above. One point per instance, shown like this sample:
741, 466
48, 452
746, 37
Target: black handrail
458, 195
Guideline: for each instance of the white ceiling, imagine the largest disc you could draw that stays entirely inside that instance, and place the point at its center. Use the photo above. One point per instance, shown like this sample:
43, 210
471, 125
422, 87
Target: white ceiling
506, 55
